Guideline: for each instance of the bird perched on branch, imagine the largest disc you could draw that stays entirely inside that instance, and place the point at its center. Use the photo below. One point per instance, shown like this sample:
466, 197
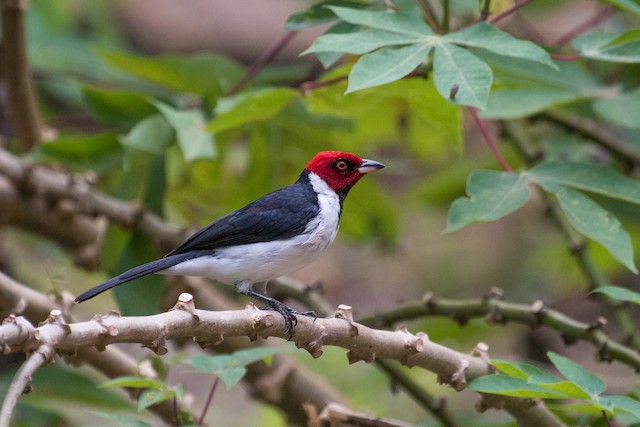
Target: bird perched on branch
273, 236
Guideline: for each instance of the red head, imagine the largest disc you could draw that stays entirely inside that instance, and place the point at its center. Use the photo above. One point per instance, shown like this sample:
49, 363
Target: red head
341, 170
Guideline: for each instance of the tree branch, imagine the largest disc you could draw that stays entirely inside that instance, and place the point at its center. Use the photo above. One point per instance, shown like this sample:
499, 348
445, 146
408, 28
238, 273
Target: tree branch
22, 105
184, 321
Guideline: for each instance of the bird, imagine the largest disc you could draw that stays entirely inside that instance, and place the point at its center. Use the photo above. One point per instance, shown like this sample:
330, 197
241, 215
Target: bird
270, 237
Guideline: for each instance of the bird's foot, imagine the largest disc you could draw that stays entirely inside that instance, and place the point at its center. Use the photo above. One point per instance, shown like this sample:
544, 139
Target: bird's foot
289, 314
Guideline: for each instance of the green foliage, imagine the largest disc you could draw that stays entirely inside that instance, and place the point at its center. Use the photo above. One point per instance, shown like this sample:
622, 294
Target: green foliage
492, 195
394, 44
525, 380
619, 293
615, 47
231, 368
155, 391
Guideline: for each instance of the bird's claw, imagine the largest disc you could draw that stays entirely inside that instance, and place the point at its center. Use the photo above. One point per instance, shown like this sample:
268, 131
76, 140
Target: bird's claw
289, 315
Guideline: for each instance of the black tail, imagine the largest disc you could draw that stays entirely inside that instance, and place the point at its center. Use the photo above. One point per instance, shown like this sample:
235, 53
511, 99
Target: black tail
140, 271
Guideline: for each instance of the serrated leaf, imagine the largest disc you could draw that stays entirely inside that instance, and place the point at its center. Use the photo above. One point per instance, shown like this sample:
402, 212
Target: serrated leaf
490, 196
461, 77
248, 107
623, 110
359, 42
596, 223
619, 293
151, 135
134, 382
614, 47
600, 179
396, 22
575, 373
510, 386
486, 36
194, 141
386, 65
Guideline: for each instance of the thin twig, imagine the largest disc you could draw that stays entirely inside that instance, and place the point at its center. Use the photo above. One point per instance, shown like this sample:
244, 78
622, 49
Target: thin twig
589, 23
486, 10
446, 16
207, 404
429, 16
265, 58
22, 380
508, 12
489, 139
559, 57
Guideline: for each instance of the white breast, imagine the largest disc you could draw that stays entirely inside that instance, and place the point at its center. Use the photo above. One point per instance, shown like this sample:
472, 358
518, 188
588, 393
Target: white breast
259, 262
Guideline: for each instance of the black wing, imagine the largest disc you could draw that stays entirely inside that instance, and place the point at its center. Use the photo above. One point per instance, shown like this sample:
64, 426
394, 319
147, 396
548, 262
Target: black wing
276, 216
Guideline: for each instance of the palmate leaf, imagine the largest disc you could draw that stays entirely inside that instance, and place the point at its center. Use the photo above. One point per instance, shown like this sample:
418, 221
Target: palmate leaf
411, 25
577, 374
360, 42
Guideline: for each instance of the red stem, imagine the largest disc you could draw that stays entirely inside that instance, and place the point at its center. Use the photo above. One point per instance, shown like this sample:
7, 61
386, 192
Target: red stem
266, 57
590, 22
559, 57
207, 404
490, 142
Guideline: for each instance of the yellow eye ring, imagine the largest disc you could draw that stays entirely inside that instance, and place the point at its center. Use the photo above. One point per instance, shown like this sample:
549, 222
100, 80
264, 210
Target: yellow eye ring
341, 165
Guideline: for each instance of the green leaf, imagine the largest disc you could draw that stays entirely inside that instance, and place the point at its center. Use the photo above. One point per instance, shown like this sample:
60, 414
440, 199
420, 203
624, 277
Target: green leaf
252, 355
626, 404
208, 74
230, 368
600, 179
524, 371
397, 22
121, 420
566, 388
488, 37
319, 13
628, 5
151, 135
598, 224
99, 151
614, 47
248, 107
457, 70
135, 382
509, 103
193, 140
510, 386
116, 107
152, 396
386, 65
360, 42
491, 195
619, 293
577, 374
623, 110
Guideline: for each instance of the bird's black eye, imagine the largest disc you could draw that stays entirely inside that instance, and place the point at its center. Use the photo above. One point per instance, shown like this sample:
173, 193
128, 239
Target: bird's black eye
341, 165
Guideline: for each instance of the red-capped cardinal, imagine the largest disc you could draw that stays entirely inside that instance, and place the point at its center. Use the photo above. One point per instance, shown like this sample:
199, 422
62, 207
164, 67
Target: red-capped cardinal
273, 236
